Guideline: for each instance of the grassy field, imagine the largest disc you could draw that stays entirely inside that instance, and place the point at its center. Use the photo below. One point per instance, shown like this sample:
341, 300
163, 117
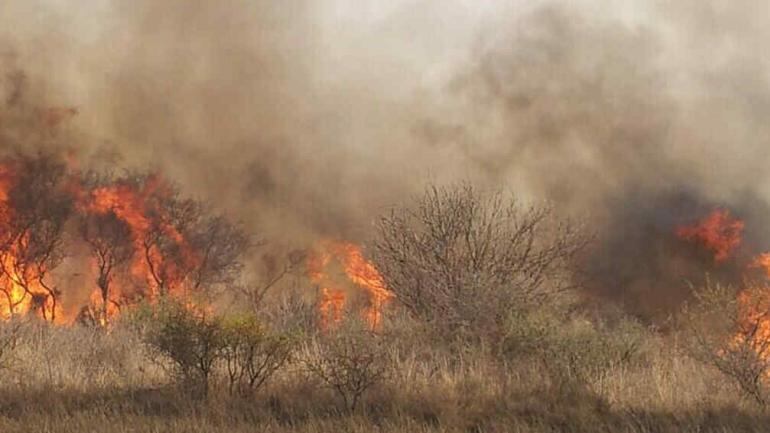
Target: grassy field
77, 379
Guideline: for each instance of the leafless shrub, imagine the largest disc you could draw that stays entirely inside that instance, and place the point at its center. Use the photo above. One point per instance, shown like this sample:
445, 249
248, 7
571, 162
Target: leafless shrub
220, 245
350, 360
291, 312
461, 260
274, 268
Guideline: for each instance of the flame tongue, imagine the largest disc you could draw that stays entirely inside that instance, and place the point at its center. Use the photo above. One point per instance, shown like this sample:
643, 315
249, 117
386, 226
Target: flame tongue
162, 257
138, 206
358, 271
719, 233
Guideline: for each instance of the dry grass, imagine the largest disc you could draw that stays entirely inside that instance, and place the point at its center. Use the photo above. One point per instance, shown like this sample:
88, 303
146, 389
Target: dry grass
75, 379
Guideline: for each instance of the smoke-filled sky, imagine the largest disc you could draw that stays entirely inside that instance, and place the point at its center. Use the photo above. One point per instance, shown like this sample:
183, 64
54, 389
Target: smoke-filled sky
310, 117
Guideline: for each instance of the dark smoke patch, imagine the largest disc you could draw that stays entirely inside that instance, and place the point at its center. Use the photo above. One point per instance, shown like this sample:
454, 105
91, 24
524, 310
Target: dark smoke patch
638, 260
595, 115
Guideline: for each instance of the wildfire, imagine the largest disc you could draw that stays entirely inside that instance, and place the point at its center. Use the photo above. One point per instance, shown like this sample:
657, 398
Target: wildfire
139, 241
762, 261
719, 233
23, 279
754, 321
129, 223
358, 271
137, 205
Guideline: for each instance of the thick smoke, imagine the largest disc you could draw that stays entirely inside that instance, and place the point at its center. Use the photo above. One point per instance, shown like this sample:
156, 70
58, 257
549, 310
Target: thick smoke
307, 119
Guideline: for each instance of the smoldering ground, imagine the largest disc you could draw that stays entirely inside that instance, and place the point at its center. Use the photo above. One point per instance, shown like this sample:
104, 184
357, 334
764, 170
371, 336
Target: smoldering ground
307, 119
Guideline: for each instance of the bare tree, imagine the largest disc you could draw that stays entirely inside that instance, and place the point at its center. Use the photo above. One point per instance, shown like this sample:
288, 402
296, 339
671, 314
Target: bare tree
462, 260
111, 246
275, 267
36, 211
219, 245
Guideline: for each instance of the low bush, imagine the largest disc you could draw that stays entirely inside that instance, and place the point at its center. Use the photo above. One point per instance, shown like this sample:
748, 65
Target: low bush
186, 341
251, 353
575, 351
349, 360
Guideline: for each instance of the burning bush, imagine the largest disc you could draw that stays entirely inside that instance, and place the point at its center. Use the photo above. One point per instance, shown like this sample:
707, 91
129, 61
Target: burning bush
358, 271
730, 330
178, 245
461, 260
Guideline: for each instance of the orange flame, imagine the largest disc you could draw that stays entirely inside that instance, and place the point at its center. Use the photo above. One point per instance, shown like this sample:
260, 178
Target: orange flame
140, 205
358, 271
719, 233
754, 321
23, 290
135, 205
762, 261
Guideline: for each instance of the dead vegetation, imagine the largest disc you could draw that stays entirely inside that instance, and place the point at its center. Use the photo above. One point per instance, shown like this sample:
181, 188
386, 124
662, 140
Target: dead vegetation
484, 334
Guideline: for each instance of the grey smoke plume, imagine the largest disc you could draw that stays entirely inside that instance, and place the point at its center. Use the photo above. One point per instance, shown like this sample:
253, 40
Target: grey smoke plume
309, 118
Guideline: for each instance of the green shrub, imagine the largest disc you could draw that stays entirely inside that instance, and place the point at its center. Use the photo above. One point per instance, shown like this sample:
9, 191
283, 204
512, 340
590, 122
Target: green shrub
187, 341
252, 354
575, 351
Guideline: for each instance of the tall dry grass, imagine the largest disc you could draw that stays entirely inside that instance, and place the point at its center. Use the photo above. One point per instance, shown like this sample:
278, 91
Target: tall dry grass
78, 379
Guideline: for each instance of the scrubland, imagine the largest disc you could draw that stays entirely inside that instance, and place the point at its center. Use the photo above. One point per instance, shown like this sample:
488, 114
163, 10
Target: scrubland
475, 322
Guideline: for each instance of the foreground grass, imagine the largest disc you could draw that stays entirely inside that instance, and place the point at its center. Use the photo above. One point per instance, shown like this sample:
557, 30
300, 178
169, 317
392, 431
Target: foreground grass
152, 411
80, 380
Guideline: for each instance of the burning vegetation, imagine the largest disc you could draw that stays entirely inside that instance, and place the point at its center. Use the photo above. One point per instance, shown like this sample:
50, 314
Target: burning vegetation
135, 238
357, 271
634, 297
732, 329
718, 233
